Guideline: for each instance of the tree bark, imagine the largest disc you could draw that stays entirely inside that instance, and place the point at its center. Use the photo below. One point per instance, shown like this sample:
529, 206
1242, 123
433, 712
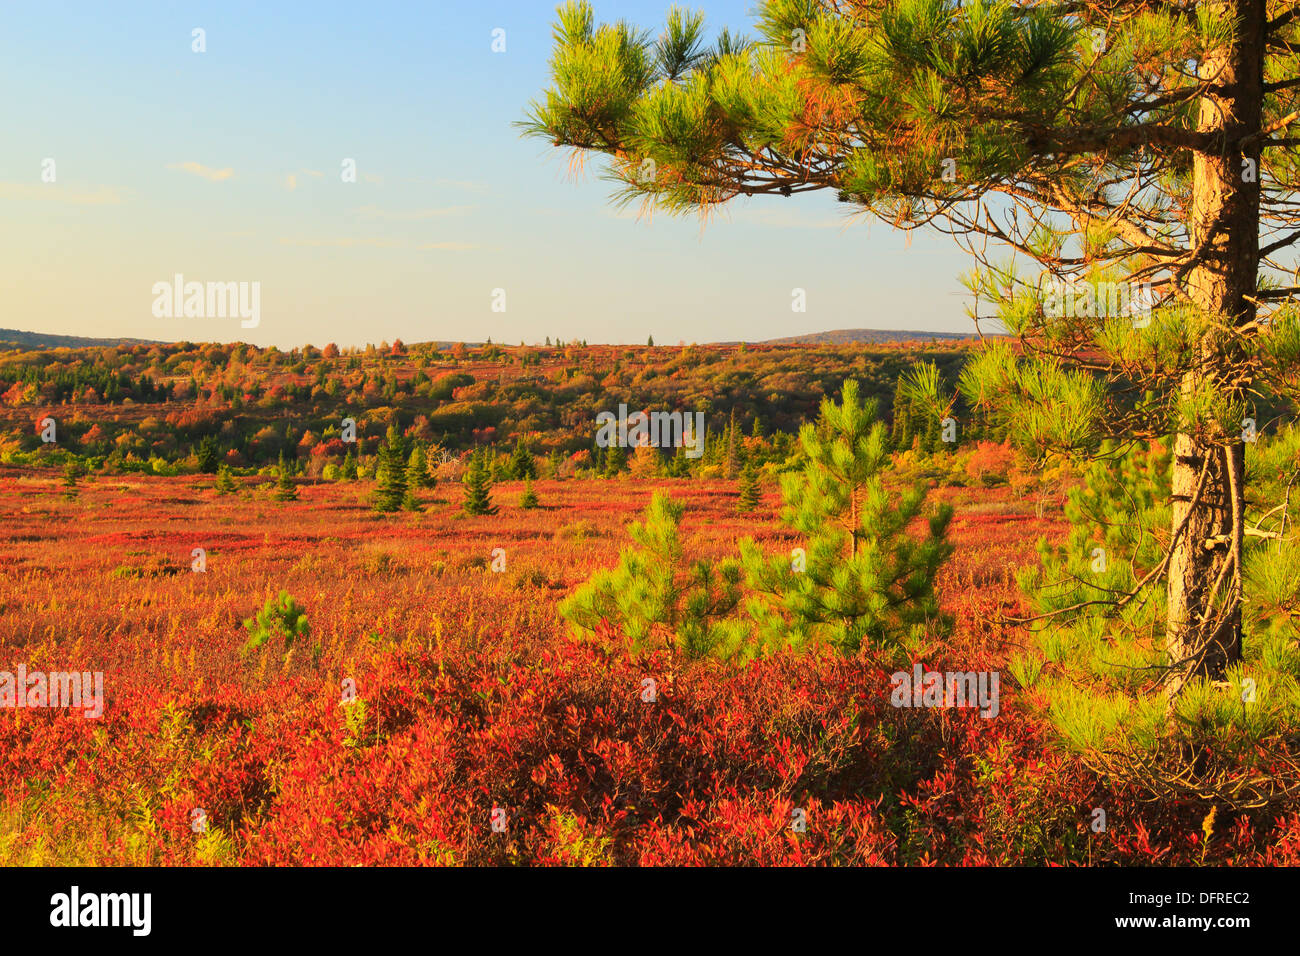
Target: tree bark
1203, 633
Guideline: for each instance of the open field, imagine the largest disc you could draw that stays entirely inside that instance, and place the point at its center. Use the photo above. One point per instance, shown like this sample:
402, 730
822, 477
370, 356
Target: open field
471, 695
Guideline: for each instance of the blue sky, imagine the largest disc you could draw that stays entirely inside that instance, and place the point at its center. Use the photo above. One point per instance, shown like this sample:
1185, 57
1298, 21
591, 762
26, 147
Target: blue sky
225, 166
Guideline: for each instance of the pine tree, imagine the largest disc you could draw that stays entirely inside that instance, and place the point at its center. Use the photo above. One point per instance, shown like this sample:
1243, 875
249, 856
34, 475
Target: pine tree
225, 482
867, 579
478, 488
658, 597
1146, 154
284, 487
528, 500
348, 470
650, 342
749, 493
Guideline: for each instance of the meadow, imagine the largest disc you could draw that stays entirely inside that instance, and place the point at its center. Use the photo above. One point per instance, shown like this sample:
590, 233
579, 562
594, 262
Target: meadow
472, 698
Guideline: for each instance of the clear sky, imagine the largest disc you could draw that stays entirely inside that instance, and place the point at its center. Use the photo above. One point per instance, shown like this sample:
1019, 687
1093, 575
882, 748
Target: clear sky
227, 165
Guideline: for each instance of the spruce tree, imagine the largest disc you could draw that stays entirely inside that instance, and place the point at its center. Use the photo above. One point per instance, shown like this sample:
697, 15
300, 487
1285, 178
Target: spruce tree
417, 470
208, 455
528, 500
522, 464
225, 482
348, 470
284, 487
70, 473
749, 494
390, 493
478, 487
732, 443
615, 460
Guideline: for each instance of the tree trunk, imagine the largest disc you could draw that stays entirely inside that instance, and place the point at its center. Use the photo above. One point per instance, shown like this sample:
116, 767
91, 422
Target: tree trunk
1203, 635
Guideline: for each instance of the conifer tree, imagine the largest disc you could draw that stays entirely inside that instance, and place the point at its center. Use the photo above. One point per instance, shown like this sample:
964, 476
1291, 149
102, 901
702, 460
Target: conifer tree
732, 444
658, 597
528, 500
749, 494
208, 455
390, 493
348, 470
615, 460
284, 487
70, 473
522, 464
225, 482
1138, 157
478, 487
417, 469
866, 579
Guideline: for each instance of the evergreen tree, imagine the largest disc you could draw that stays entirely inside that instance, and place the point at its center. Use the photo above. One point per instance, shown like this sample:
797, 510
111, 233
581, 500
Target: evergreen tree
732, 443
390, 493
417, 469
528, 500
1142, 153
225, 482
478, 488
208, 455
900, 435
749, 494
348, 470
650, 342
615, 460
284, 487
657, 597
522, 464
70, 473
866, 580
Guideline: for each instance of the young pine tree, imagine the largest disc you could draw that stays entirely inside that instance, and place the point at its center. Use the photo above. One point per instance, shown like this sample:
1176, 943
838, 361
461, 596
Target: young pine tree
657, 597
863, 579
478, 488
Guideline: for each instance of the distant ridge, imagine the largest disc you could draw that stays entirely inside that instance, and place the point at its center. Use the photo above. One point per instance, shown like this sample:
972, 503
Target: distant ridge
10, 338
868, 337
